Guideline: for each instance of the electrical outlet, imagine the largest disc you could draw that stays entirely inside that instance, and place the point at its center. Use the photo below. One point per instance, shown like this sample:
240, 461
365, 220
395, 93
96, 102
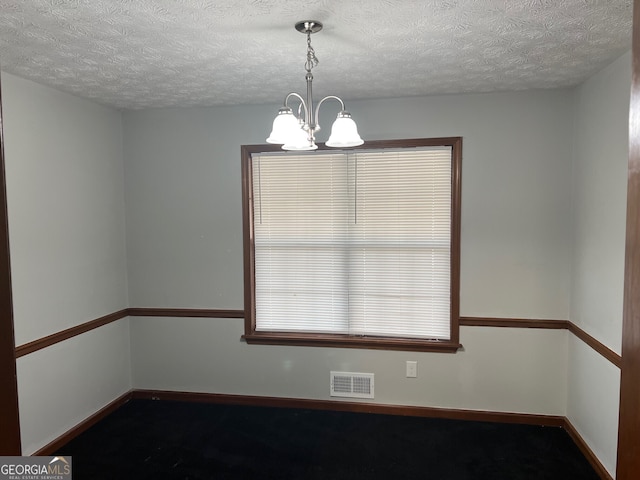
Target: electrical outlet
412, 369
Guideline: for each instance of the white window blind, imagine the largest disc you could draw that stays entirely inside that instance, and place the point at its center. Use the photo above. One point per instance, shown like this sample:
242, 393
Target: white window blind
354, 243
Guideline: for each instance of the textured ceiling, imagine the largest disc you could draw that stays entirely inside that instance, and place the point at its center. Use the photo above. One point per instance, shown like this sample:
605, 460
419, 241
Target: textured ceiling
157, 53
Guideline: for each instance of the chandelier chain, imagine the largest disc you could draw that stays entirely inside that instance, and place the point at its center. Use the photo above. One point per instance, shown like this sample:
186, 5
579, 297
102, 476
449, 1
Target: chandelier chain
312, 60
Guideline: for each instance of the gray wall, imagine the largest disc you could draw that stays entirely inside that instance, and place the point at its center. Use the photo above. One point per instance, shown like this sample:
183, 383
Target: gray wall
184, 213
65, 194
184, 230
600, 162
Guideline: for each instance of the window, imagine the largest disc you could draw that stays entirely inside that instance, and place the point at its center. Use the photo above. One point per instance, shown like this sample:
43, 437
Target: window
353, 248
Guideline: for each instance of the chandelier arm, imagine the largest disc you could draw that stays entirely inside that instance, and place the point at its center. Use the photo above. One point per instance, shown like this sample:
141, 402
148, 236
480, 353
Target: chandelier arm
328, 97
302, 103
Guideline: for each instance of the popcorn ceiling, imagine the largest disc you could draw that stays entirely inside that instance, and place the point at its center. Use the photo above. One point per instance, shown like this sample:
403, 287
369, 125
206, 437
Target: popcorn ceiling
134, 54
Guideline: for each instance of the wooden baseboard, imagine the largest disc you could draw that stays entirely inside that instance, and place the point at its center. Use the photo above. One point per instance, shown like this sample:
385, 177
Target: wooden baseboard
586, 451
66, 437
356, 407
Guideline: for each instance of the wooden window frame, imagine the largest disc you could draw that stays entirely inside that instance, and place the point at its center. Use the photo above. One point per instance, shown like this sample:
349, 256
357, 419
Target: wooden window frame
252, 336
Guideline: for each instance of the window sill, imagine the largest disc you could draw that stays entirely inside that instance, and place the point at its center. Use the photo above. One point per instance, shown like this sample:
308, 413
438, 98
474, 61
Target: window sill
350, 341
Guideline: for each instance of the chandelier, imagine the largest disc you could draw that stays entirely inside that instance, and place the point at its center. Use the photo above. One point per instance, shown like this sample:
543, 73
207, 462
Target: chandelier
298, 131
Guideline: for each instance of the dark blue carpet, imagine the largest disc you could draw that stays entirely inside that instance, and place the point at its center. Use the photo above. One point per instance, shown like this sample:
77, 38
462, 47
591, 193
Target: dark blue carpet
147, 439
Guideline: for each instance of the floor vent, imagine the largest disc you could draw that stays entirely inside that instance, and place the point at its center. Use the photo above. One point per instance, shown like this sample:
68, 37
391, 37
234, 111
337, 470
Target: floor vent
349, 384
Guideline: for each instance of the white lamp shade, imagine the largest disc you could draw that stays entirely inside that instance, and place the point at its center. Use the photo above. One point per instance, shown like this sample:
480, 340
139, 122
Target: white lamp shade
299, 141
344, 132
285, 127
